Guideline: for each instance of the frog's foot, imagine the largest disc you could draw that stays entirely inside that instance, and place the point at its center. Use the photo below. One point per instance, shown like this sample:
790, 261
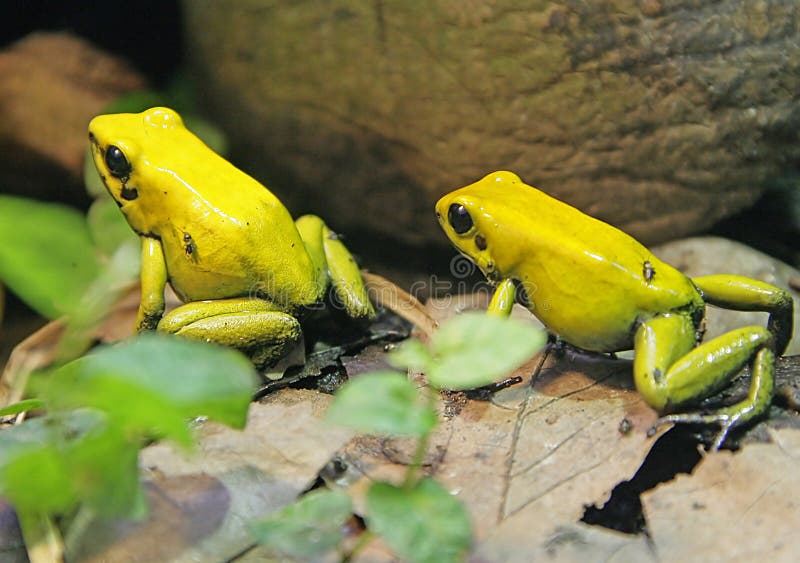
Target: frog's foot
670, 373
726, 421
334, 263
249, 325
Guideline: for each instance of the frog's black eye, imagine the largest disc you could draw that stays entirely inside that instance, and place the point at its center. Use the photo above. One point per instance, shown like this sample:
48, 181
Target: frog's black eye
117, 164
459, 218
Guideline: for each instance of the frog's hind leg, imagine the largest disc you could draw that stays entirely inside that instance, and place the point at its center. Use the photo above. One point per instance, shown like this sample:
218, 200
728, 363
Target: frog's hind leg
253, 326
740, 293
670, 373
333, 262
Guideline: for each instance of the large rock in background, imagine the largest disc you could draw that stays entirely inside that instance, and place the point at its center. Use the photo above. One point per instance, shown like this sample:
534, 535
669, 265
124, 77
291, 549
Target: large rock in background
659, 116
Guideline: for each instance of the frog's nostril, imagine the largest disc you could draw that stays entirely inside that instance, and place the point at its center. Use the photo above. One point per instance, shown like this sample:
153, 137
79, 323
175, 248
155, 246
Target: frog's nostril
91, 137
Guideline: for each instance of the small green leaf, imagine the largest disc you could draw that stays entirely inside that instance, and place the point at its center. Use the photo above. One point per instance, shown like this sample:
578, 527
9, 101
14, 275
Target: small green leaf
475, 349
308, 528
154, 383
107, 225
423, 523
34, 475
51, 463
411, 354
46, 257
382, 402
22, 406
117, 275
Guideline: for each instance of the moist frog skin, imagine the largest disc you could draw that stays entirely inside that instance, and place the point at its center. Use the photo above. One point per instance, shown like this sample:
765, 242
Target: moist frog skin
228, 247
599, 289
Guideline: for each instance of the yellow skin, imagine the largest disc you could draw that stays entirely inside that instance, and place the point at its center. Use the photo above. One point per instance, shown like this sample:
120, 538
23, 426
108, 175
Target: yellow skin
598, 289
226, 244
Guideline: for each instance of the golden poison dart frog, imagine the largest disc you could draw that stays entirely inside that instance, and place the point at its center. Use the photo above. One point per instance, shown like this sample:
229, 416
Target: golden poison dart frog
227, 246
599, 289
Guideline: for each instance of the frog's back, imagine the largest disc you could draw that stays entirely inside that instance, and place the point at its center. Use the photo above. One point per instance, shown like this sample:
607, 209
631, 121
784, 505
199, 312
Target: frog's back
223, 233
586, 280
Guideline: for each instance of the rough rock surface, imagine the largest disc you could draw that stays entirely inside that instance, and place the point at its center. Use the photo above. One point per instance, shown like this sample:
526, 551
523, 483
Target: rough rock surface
659, 116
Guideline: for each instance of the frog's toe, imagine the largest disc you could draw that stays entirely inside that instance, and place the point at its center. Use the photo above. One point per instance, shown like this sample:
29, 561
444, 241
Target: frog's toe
725, 420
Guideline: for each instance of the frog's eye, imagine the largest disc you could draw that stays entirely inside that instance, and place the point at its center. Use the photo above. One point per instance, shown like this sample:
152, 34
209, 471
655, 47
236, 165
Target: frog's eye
117, 164
459, 218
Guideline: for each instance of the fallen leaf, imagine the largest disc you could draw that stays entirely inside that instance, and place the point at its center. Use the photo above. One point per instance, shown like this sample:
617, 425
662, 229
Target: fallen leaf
734, 507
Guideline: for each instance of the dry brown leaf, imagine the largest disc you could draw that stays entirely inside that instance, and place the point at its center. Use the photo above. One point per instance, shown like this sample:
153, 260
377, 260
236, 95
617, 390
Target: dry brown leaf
527, 463
389, 295
734, 507
566, 451
35, 352
235, 476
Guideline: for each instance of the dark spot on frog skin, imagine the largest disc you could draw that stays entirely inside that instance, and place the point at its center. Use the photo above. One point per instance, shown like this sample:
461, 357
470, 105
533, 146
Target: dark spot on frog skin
480, 242
188, 244
648, 272
128, 194
657, 375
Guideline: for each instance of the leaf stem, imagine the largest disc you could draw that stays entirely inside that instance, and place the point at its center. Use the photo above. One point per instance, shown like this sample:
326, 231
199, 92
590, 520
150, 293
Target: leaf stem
422, 446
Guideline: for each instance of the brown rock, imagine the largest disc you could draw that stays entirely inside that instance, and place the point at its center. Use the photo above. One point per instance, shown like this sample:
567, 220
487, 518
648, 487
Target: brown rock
658, 116
51, 85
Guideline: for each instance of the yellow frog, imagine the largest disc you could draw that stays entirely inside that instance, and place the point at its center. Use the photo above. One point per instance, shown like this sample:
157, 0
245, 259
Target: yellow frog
598, 289
225, 243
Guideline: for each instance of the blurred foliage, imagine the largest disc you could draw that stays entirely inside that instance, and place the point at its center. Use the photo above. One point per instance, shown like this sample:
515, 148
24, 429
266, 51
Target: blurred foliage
419, 520
103, 407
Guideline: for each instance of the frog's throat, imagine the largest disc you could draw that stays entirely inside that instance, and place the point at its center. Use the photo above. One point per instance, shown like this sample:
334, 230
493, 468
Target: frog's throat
487, 267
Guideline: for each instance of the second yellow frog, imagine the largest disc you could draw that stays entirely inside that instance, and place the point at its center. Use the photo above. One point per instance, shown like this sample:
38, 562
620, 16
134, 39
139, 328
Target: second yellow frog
599, 289
225, 243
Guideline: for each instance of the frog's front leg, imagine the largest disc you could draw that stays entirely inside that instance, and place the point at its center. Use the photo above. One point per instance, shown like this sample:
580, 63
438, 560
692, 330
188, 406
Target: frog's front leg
254, 326
153, 282
671, 373
334, 264
503, 299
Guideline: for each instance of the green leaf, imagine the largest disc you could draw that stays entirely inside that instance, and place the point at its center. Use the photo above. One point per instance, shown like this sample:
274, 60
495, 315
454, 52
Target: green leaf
107, 225
34, 474
117, 275
51, 463
308, 528
411, 354
475, 349
22, 406
382, 402
46, 256
152, 384
423, 523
